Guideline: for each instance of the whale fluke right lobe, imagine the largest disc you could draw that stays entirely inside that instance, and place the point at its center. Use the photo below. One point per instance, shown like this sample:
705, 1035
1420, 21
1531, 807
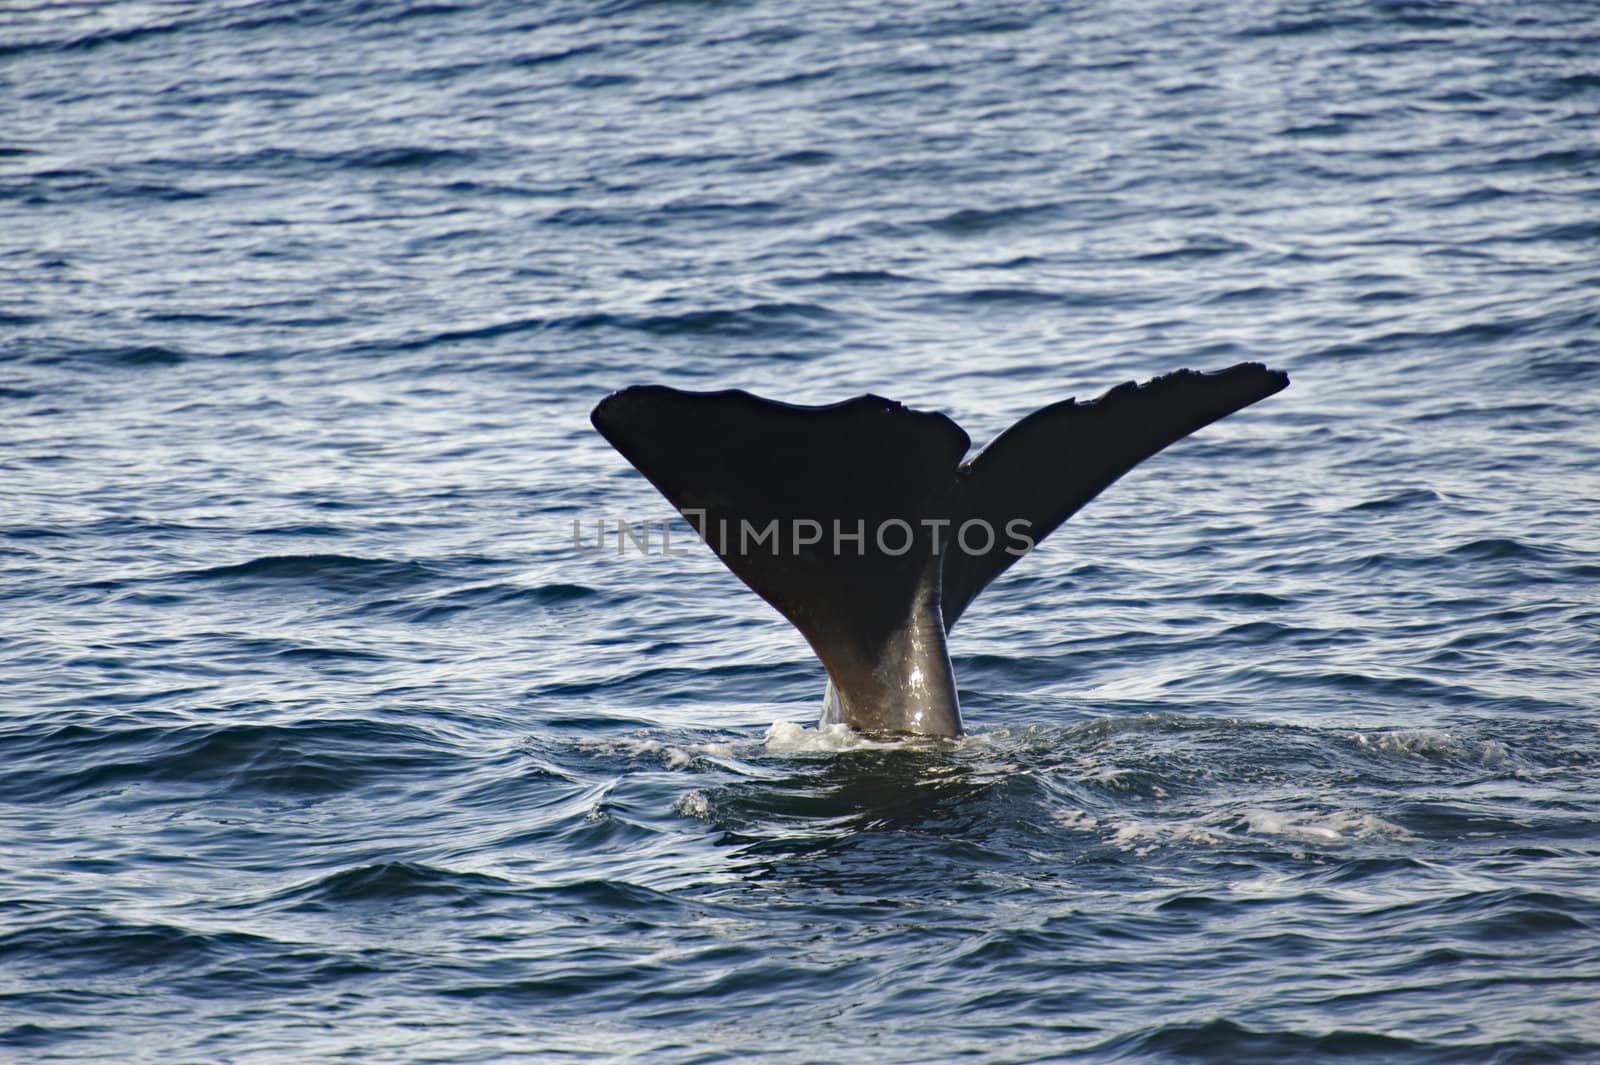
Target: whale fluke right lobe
1048, 465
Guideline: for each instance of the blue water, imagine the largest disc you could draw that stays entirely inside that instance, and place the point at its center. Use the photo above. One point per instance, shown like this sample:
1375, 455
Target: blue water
321, 741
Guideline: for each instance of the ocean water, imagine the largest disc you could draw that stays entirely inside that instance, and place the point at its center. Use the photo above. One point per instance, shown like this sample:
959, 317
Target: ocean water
321, 740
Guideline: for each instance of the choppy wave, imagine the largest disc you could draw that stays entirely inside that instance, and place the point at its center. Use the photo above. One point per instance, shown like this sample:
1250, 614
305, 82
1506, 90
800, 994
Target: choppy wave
322, 739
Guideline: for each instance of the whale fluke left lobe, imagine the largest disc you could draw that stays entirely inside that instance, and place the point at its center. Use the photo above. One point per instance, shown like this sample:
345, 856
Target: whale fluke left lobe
734, 464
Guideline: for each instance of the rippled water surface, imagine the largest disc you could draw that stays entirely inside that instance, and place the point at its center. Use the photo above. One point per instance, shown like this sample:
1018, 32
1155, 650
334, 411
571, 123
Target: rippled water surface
322, 740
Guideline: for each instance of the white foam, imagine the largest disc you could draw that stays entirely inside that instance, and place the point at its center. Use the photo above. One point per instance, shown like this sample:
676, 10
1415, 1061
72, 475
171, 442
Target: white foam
693, 804
1339, 826
1327, 828
1430, 743
1075, 820
1142, 837
786, 737
672, 756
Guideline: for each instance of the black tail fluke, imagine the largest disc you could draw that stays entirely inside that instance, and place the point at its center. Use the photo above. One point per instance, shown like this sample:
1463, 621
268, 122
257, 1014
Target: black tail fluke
1048, 465
846, 517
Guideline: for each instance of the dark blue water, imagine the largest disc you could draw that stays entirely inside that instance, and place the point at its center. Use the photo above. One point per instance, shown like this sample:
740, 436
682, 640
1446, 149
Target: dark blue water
320, 740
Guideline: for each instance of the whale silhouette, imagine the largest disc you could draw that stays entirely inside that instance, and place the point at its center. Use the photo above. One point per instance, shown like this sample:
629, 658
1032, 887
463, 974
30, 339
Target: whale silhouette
861, 523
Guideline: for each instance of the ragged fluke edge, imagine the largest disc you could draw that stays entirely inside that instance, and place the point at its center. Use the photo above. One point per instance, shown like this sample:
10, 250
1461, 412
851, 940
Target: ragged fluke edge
861, 523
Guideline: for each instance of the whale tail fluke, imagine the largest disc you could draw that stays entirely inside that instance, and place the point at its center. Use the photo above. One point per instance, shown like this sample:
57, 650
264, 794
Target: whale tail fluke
843, 517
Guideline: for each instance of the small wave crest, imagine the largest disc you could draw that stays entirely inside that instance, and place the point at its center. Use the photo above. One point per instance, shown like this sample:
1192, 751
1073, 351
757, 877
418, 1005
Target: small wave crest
671, 755
1338, 826
1431, 744
787, 737
335, 572
1335, 828
391, 881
